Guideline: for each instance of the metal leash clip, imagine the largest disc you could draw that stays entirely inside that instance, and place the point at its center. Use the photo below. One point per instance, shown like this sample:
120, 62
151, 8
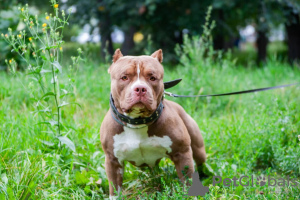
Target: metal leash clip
169, 94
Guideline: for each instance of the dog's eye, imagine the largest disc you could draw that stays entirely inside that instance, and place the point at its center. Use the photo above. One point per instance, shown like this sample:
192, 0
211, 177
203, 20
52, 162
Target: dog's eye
124, 78
152, 78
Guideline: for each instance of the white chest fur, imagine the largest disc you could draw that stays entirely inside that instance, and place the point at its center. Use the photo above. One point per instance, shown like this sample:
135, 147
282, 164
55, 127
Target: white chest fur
135, 145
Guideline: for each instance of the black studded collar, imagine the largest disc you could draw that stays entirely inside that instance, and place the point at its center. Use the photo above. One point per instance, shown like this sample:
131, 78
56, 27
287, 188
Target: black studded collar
124, 120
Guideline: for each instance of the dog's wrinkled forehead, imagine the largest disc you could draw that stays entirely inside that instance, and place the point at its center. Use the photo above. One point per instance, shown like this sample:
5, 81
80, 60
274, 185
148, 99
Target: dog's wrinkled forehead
132, 64
136, 64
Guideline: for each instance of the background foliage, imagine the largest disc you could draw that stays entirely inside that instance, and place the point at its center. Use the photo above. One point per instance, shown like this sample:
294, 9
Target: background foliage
166, 21
253, 134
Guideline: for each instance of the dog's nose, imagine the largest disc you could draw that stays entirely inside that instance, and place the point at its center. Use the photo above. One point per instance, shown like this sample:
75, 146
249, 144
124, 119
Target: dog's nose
140, 90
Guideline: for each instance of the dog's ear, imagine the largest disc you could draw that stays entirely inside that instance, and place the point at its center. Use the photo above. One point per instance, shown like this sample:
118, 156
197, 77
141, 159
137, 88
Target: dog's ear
158, 55
118, 54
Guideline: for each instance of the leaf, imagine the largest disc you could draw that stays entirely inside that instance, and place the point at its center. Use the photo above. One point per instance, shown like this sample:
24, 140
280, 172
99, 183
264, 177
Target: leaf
4, 178
32, 72
69, 93
95, 154
65, 103
57, 65
99, 181
51, 122
77, 163
67, 142
47, 143
60, 27
44, 58
65, 91
10, 193
234, 167
43, 71
33, 78
33, 99
133, 183
81, 178
52, 47
47, 94
45, 110
41, 49
54, 80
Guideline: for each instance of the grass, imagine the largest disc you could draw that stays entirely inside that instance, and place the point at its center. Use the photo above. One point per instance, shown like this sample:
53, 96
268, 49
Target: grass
251, 134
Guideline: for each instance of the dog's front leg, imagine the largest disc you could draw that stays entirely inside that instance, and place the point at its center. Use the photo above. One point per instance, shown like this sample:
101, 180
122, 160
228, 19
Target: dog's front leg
114, 171
184, 164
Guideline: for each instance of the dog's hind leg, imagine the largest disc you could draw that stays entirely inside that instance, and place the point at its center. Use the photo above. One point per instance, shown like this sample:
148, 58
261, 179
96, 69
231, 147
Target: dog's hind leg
197, 142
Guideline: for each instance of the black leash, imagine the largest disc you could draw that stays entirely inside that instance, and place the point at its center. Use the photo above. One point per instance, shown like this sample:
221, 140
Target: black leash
170, 84
125, 121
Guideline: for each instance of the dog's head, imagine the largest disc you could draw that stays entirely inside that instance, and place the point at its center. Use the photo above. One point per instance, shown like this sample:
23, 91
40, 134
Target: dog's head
137, 83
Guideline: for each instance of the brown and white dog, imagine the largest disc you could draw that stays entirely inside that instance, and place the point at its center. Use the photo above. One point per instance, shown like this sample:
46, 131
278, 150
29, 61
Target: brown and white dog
141, 127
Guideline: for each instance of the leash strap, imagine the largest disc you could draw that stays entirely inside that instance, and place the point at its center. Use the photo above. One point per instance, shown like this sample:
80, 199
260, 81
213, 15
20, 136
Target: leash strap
232, 93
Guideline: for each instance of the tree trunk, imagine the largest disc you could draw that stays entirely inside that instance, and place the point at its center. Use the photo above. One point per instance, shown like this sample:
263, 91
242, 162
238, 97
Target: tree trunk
128, 43
219, 37
105, 27
219, 42
261, 43
293, 36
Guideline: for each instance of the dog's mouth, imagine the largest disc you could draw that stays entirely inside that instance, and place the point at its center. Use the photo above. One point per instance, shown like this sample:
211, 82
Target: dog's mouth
138, 110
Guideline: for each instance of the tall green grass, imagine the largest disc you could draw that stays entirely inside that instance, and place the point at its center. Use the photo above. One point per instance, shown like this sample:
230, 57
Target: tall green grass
250, 134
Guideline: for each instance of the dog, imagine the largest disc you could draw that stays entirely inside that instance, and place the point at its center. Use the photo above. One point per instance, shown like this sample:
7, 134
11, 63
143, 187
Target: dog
142, 127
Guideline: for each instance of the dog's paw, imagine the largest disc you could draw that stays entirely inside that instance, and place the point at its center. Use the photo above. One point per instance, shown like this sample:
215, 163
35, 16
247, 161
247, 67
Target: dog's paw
205, 171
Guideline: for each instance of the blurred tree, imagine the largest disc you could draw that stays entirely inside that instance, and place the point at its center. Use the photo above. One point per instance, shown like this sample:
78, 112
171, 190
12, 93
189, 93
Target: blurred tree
264, 15
235, 14
228, 16
166, 21
278, 12
286, 12
256, 13
105, 26
125, 15
163, 20
292, 25
95, 14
